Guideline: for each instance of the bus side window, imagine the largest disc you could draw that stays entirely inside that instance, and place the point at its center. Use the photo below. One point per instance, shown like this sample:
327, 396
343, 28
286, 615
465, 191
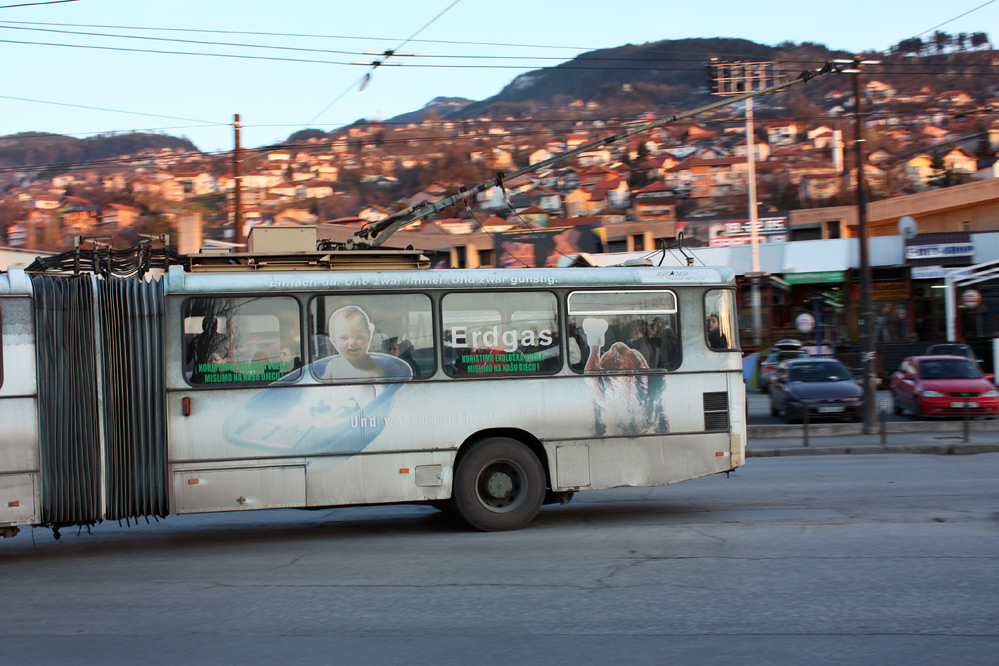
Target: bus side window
720, 330
623, 331
371, 337
501, 334
241, 341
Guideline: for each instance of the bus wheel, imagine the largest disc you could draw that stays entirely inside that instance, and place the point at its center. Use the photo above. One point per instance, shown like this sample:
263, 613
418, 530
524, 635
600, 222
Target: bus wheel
499, 485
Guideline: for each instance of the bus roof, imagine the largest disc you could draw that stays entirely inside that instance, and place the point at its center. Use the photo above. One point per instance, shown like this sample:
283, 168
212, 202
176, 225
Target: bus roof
179, 281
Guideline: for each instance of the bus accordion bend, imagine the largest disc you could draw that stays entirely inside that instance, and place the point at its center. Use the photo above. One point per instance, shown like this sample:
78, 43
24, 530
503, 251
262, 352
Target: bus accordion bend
490, 391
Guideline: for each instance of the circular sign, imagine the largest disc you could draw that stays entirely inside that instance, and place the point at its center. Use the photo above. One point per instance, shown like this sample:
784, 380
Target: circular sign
804, 322
970, 298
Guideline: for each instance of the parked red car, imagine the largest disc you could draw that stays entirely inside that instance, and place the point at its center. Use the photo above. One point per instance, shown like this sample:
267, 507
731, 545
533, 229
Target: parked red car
926, 386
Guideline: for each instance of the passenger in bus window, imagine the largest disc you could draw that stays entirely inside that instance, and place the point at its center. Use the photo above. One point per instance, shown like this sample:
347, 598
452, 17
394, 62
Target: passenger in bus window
402, 349
351, 333
209, 346
716, 339
638, 339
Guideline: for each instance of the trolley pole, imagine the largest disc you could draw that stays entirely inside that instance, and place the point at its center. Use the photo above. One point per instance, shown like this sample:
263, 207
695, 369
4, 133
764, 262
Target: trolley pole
237, 158
866, 319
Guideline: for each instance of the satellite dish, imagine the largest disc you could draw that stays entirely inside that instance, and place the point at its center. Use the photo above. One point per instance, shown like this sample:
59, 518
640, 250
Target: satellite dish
907, 226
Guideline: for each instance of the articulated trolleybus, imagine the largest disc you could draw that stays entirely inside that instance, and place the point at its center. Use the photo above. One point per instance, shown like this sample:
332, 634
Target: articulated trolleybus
225, 386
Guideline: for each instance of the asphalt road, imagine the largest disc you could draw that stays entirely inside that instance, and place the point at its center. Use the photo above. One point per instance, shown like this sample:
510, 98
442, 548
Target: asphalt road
880, 559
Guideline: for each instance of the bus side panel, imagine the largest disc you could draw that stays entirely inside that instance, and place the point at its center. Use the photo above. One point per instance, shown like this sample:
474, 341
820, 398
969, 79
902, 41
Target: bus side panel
380, 478
637, 462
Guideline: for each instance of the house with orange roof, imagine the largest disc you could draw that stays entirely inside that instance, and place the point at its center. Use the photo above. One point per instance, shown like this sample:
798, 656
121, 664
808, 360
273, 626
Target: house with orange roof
373, 213
960, 160
46, 201
575, 140
294, 217
119, 216
782, 132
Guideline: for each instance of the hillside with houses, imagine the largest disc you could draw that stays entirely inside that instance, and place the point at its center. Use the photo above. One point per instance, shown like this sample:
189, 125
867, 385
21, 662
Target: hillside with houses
920, 133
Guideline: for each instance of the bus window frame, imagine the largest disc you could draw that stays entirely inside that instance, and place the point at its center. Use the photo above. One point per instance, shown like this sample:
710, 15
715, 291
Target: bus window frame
292, 377
675, 312
560, 346
360, 296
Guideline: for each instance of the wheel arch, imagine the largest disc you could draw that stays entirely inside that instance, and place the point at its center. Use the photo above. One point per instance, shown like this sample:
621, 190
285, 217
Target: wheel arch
516, 434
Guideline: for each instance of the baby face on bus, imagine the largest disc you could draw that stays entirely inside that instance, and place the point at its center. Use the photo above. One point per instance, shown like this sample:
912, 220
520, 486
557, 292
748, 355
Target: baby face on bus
351, 332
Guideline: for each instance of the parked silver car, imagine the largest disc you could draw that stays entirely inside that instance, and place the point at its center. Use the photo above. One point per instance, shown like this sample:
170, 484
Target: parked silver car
785, 351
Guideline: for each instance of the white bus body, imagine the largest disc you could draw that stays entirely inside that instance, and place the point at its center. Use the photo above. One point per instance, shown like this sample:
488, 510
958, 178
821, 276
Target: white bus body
489, 389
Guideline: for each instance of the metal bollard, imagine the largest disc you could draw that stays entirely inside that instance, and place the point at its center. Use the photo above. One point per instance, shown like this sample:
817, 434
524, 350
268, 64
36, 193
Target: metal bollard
883, 420
804, 422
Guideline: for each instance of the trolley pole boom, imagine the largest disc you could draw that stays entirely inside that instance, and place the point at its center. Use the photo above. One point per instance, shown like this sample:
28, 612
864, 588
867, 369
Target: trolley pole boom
376, 233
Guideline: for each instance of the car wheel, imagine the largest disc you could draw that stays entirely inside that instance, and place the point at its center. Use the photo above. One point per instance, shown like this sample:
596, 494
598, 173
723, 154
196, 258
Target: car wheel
895, 406
773, 409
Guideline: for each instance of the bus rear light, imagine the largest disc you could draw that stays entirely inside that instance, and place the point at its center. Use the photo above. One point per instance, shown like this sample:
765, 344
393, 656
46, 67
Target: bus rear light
13, 505
193, 482
186, 406
719, 454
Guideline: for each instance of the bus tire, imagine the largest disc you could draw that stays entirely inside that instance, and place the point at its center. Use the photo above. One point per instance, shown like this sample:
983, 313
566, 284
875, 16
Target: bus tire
499, 485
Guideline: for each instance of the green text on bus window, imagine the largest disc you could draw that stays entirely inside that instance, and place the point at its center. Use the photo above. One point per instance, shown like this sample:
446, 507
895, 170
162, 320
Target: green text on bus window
720, 330
228, 341
615, 331
371, 337
501, 334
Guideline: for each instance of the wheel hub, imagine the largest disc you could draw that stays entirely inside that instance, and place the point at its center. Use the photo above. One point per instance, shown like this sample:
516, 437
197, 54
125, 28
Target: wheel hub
499, 484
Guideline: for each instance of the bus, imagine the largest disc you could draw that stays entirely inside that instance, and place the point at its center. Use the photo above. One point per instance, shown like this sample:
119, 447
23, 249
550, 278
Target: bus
264, 385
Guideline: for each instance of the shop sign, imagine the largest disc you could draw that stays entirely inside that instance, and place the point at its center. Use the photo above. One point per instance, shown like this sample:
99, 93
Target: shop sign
815, 276
936, 272
804, 322
746, 240
938, 250
890, 291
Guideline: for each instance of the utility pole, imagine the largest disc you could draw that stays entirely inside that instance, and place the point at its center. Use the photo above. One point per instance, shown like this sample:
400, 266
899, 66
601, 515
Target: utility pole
237, 158
753, 222
730, 78
866, 318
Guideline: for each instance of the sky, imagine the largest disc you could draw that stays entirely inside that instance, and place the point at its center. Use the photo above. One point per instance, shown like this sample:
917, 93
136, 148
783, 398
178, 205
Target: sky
197, 95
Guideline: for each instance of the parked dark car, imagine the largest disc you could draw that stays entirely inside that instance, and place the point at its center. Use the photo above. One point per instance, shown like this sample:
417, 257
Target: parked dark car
785, 351
824, 386
926, 386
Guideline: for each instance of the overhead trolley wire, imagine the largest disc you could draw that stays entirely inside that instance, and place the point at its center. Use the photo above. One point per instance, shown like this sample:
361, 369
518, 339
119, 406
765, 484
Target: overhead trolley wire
579, 58
363, 81
207, 123
239, 56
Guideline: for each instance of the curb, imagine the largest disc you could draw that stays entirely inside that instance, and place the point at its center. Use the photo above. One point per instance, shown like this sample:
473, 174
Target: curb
932, 449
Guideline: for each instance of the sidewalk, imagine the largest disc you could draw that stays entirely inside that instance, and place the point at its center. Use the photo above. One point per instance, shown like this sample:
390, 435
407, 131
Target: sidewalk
943, 438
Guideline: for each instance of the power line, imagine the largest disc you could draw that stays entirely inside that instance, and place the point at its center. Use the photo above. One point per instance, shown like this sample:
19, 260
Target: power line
986, 4
35, 4
563, 67
579, 58
97, 108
